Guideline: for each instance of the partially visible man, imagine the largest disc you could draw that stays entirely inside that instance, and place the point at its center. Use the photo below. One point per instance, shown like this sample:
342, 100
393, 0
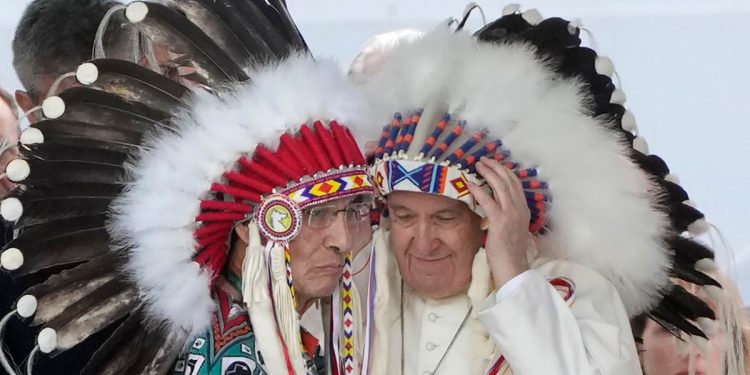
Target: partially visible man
52, 38
520, 235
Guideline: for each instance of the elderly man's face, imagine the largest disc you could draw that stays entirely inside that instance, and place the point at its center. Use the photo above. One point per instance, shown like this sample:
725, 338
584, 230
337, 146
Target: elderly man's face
318, 251
434, 239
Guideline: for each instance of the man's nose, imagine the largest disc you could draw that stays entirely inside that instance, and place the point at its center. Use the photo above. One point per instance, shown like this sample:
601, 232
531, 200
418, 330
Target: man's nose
425, 238
337, 236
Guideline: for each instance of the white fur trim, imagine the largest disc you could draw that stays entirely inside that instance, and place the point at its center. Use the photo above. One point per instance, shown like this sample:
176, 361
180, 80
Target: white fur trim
717, 294
673, 178
511, 9
53, 107
11, 259
628, 122
706, 265
532, 16
11, 209
154, 219
574, 26
17, 170
604, 66
87, 73
47, 340
136, 12
699, 227
31, 136
701, 344
602, 214
377, 51
640, 144
26, 306
708, 326
618, 97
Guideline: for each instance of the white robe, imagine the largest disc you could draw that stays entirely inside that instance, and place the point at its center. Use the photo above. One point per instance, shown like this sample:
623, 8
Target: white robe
526, 326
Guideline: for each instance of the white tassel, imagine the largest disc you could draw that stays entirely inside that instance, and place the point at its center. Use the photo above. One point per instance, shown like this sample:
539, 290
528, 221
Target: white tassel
286, 314
253, 287
256, 296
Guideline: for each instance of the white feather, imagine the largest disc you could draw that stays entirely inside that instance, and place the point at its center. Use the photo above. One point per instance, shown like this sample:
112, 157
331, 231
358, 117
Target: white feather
154, 219
603, 210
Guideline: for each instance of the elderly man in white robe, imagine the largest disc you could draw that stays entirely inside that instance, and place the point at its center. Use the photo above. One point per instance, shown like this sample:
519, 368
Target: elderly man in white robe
518, 236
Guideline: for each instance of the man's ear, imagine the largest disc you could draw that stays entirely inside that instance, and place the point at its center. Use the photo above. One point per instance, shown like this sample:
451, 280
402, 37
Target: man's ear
26, 102
243, 232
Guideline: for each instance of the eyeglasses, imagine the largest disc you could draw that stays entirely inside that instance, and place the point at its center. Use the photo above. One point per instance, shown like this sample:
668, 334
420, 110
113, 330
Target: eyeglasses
320, 217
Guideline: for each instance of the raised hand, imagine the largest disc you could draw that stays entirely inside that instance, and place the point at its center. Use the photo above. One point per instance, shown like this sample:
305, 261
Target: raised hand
506, 220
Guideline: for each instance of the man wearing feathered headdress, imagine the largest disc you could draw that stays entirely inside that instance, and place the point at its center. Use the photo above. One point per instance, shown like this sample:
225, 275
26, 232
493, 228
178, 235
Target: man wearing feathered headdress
520, 229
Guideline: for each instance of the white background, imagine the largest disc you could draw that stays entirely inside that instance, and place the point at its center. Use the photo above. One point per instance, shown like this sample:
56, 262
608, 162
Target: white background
683, 65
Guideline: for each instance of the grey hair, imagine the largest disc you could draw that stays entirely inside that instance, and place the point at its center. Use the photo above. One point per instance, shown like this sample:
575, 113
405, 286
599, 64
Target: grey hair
53, 37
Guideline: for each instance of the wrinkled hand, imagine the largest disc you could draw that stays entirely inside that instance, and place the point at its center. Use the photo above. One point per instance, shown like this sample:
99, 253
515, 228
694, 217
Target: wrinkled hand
507, 220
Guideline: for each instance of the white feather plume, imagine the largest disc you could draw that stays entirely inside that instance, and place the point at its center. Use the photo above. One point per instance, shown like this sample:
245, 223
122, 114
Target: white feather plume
603, 214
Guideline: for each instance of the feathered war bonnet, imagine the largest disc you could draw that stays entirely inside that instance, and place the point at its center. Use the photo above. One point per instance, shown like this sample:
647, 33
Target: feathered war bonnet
522, 90
133, 184
233, 158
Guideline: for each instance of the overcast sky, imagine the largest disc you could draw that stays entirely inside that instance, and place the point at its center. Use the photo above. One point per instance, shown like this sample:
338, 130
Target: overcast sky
683, 65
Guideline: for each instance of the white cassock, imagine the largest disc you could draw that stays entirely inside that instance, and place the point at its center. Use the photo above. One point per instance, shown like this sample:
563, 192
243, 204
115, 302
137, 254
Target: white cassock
528, 327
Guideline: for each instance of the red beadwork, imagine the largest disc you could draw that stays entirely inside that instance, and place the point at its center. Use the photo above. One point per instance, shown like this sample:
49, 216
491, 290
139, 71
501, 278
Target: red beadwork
310, 151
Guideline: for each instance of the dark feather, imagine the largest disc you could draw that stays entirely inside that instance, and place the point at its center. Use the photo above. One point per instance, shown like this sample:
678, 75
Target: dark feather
690, 306
278, 14
67, 278
692, 275
688, 251
48, 203
551, 37
74, 133
652, 164
50, 151
71, 248
171, 30
135, 349
96, 107
135, 83
79, 302
503, 30
116, 355
674, 322
121, 142
31, 236
201, 14
245, 30
674, 192
683, 215
52, 191
98, 309
54, 171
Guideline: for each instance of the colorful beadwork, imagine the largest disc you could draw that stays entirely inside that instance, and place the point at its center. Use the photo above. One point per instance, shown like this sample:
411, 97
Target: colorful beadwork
446, 163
